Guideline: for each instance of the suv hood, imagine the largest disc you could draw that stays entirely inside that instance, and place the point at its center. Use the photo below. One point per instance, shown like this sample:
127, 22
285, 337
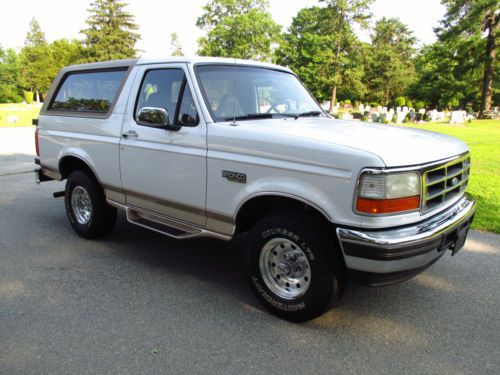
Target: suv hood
396, 146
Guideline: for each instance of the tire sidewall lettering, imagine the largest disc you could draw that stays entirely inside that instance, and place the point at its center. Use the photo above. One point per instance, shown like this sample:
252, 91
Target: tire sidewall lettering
275, 303
275, 232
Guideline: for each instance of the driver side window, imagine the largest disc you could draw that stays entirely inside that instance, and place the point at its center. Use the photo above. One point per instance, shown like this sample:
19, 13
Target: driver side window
168, 89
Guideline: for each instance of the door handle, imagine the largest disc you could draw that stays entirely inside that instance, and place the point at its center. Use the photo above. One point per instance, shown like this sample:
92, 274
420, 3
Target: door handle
130, 134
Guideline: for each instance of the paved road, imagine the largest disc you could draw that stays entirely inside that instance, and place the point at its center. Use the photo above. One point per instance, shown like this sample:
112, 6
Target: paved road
138, 302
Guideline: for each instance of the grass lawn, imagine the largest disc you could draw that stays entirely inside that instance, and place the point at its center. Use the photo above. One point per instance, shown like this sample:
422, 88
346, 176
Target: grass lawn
23, 114
483, 138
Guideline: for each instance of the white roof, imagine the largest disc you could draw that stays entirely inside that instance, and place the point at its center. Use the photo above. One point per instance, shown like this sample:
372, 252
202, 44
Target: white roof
203, 59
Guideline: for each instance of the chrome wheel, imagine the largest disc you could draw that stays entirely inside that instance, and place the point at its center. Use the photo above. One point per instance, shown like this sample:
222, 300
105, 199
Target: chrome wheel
81, 205
284, 268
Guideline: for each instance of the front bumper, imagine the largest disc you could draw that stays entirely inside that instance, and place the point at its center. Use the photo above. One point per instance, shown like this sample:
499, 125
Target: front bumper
380, 257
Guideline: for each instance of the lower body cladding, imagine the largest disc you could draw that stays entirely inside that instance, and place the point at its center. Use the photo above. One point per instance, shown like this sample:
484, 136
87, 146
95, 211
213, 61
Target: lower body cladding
382, 257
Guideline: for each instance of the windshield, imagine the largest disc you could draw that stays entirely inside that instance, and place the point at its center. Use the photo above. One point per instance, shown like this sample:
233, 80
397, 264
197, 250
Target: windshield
242, 93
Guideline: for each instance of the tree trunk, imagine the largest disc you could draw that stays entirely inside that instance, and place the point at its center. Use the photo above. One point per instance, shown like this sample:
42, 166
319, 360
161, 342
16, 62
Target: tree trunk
37, 97
333, 101
489, 67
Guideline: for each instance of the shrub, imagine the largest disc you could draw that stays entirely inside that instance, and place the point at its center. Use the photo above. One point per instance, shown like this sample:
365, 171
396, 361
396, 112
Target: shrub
384, 120
400, 101
469, 110
364, 118
419, 105
357, 115
409, 104
28, 96
426, 117
374, 104
407, 119
347, 101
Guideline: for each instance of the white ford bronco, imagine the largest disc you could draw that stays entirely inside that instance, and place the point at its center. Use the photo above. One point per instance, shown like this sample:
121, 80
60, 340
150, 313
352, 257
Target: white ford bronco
218, 147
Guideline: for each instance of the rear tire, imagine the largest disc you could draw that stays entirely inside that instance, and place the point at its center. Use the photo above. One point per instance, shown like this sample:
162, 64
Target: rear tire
293, 267
86, 207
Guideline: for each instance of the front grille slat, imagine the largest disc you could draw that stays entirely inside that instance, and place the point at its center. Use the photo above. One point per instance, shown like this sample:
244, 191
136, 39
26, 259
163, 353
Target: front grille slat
445, 182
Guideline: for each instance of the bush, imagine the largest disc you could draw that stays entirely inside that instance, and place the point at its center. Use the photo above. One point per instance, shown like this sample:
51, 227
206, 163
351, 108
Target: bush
347, 101
407, 118
357, 115
384, 120
400, 101
426, 117
364, 118
409, 104
28, 96
374, 104
419, 105
469, 110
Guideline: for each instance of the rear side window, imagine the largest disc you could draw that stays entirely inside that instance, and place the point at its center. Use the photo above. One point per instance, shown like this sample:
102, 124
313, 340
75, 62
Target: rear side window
92, 92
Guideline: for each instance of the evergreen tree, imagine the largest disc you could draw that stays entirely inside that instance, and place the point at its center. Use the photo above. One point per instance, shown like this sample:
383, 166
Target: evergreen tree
111, 32
37, 64
238, 28
175, 45
462, 31
390, 69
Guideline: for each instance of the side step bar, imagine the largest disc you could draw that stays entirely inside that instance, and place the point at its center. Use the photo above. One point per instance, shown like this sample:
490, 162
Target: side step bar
161, 224
167, 225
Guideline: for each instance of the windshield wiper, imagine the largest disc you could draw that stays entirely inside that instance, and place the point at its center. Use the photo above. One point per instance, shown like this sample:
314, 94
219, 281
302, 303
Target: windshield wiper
309, 114
252, 116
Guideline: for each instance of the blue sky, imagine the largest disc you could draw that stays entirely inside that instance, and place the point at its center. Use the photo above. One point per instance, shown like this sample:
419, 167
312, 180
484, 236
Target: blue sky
157, 19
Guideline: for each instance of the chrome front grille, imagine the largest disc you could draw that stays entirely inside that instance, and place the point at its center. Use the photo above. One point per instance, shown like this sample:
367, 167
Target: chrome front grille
444, 183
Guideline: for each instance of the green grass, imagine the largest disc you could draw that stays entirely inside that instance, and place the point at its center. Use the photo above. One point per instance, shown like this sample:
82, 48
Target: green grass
23, 112
483, 138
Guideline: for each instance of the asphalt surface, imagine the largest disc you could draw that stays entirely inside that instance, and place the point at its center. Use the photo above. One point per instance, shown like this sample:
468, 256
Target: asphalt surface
140, 303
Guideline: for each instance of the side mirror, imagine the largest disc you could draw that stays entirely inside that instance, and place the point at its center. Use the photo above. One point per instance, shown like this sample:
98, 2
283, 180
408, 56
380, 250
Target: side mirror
155, 118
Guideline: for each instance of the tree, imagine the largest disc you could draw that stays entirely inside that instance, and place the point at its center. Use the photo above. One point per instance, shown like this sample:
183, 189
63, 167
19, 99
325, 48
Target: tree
9, 76
462, 30
390, 69
440, 78
342, 15
37, 64
111, 32
238, 28
66, 52
175, 45
308, 48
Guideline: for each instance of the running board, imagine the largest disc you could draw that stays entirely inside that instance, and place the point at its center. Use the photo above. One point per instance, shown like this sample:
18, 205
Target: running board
161, 224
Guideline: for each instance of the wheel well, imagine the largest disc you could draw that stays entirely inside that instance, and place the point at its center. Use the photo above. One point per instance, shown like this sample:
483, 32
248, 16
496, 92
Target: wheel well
258, 207
69, 164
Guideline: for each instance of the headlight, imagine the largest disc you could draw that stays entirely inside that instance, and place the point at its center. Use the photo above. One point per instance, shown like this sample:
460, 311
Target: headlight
387, 193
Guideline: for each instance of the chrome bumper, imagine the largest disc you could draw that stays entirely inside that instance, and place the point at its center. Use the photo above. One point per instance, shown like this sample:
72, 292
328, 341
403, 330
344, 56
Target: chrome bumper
392, 255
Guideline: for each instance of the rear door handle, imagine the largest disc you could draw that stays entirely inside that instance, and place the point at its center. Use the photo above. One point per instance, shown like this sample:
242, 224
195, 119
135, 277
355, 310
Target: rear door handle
130, 134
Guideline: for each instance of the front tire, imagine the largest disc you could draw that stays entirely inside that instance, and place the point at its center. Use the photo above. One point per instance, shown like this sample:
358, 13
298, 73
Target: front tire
86, 207
292, 266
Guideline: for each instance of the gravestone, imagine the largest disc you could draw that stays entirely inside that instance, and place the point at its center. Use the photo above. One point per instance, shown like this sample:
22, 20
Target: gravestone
457, 117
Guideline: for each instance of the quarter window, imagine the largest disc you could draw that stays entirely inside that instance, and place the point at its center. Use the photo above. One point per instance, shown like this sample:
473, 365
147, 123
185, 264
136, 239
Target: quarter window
92, 92
168, 89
